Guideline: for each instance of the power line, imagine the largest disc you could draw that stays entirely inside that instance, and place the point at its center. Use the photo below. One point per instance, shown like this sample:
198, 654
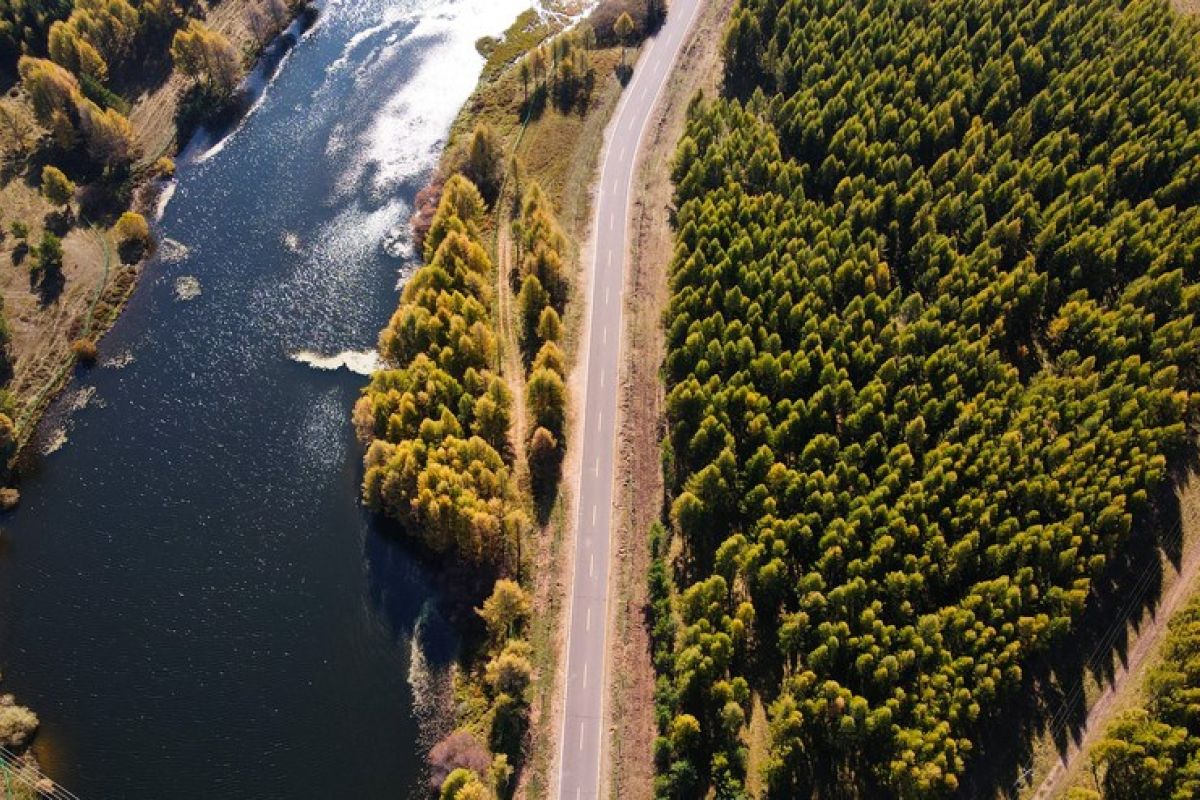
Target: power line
1103, 650
27, 774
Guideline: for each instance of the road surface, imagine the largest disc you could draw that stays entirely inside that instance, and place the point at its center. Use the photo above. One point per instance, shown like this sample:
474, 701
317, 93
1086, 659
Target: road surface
582, 739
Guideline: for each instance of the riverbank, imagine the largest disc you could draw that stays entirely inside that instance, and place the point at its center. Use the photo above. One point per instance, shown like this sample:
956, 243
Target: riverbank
46, 320
557, 148
193, 560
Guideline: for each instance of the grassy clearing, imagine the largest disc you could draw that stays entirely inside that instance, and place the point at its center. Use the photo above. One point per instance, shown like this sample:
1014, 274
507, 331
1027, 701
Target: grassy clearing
43, 323
526, 33
758, 746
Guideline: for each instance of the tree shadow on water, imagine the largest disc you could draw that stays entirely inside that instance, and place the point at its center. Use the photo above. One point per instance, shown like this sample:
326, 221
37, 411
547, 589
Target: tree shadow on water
410, 586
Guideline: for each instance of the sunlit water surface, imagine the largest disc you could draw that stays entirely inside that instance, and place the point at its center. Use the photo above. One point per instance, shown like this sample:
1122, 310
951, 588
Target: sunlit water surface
190, 596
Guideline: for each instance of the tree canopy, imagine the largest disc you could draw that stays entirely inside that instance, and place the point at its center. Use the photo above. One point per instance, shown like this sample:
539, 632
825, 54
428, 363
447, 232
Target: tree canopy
436, 418
931, 343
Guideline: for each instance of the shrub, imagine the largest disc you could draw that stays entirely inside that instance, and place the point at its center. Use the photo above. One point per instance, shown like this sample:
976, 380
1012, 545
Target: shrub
85, 350
459, 750
133, 236
17, 723
49, 255
56, 187
132, 228
8, 437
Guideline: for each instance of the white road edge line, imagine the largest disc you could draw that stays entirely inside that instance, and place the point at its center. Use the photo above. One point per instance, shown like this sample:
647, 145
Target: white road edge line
687, 27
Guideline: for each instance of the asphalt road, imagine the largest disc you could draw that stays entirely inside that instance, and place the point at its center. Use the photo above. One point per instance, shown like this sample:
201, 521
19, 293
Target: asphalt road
582, 740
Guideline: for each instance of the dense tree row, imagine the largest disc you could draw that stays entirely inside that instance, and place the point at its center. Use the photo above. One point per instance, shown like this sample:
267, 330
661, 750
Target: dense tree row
930, 345
1153, 752
540, 244
437, 416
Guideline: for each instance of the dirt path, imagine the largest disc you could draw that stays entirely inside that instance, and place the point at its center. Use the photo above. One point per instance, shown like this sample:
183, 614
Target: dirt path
511, 367
1127, 676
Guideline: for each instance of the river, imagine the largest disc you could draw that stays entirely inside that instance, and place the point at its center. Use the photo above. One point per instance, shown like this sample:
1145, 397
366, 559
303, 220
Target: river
191, 597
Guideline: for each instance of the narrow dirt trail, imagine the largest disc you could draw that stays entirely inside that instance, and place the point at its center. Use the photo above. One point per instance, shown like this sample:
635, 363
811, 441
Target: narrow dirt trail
511, 368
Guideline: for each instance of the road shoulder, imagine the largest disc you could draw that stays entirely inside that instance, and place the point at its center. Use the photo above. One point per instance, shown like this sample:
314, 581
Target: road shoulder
629, 769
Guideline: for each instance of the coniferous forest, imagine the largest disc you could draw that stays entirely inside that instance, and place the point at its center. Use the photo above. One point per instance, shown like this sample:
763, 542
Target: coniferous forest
931, 351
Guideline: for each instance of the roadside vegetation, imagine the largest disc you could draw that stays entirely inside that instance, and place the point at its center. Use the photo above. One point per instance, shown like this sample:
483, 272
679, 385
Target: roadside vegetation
543, 295
931, 354
467, 424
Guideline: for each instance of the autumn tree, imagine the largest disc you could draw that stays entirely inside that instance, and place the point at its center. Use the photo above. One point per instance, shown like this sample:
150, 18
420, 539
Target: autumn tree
133, 235
624, 28
17, 126
484, 161
56, 187
505, 610
544, 459
209, 59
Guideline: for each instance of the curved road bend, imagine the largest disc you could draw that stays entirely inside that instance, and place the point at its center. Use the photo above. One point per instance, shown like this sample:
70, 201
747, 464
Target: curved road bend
582, 740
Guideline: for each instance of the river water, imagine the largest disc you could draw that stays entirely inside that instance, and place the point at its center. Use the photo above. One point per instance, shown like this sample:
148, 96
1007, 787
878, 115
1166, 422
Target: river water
191, 597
